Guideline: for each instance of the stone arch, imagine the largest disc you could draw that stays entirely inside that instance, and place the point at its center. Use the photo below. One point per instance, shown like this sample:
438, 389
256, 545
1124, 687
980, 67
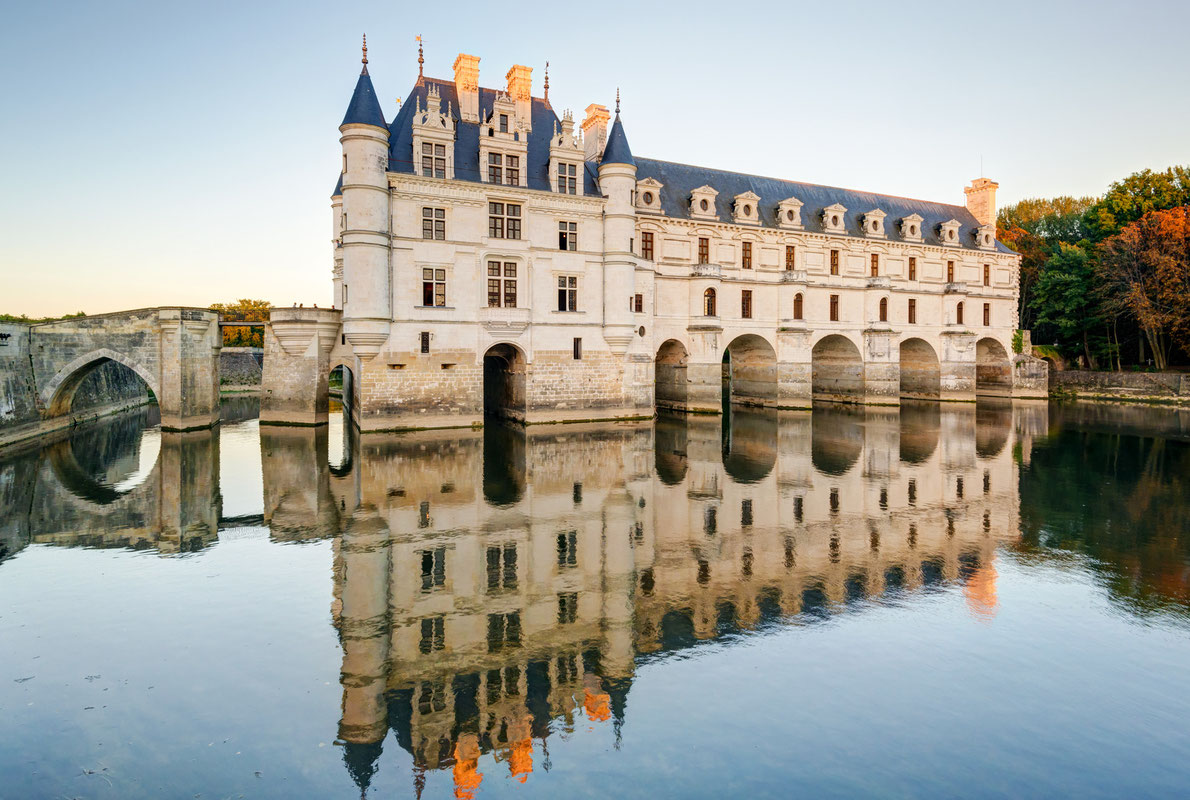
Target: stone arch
921, 372
670, 459
993, 369
749, 444
58, 394
750, 371
836, 439
837, 370
672, 388
504, 381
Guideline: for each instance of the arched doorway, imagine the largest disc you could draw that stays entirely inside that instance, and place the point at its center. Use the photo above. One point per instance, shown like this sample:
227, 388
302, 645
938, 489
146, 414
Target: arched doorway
750, 371
993, 370
837, 369
671, 387
921, 374
504, 368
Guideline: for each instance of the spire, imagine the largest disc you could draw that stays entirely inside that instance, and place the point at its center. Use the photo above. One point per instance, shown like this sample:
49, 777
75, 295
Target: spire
364, 71
421, 61
547, 82
364, 108
617, 150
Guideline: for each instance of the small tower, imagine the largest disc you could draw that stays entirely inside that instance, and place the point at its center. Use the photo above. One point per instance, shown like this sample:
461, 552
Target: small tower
365, 295
981, 200
617, 180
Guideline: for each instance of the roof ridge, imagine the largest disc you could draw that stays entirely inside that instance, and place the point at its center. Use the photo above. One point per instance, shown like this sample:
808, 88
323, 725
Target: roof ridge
804, 183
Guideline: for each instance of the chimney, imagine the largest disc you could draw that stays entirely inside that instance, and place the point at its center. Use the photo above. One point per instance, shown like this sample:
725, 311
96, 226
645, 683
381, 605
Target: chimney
981, 200
595, 131
467, 86
520, 90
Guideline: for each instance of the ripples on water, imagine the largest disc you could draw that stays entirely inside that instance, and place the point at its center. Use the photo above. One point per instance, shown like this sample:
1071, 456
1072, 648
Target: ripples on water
945, 600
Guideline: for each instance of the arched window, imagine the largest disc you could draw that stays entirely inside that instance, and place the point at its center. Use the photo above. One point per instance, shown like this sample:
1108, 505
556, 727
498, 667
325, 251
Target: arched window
797, 306
884, 309
708, 303
958, 314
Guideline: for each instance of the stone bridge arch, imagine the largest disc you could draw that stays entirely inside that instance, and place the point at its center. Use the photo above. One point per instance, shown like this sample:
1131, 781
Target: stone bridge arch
57, 395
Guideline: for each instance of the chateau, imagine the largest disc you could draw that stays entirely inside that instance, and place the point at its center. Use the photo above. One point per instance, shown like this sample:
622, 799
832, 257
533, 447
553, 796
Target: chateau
490, 255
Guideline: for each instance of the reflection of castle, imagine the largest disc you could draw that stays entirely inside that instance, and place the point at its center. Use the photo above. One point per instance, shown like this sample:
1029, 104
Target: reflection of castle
491, 582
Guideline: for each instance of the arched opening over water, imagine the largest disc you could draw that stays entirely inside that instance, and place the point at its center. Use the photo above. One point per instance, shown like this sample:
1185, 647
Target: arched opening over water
504, 369
98, 379
671, 387
993, 370
342, 391
921, 427
837, 369
749, 444
836, 439
669, 448
921, 374
750, 371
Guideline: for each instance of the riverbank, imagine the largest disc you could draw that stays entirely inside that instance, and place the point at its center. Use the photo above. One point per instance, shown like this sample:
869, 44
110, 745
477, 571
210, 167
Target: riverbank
1172, 388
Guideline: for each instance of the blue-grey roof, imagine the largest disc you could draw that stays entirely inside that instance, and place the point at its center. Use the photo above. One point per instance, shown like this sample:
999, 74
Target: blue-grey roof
364, 108
679, 180
466, 156
617, 150
338, 186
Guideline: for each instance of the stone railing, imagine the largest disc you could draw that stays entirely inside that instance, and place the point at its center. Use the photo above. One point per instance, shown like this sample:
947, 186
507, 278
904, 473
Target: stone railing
706, 271
879, 282
794, 276
954, 287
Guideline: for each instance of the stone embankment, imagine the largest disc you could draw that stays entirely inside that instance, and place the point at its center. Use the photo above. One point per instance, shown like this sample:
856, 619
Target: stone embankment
240, 369
1140, 387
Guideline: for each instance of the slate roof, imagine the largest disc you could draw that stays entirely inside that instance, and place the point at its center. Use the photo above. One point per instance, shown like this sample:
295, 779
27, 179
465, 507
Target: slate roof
364, 108
617, 150
466, 155
679, 180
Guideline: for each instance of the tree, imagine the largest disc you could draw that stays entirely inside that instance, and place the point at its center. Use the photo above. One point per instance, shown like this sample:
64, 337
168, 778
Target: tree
247, 311
1147, 267
1064, 299
1138, 194
1034, 228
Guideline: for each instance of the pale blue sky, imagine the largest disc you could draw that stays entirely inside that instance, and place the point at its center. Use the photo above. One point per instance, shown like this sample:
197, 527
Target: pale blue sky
161, 153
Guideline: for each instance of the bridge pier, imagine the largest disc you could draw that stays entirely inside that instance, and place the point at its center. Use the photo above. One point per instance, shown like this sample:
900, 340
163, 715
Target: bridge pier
297, 349
188, 393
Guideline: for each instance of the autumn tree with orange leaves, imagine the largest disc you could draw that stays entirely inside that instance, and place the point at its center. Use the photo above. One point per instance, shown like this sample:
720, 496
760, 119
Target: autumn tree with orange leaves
1146, 271
247, 311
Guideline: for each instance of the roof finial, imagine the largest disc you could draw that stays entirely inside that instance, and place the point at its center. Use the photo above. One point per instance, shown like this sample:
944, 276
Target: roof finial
547, 81
617, 100
420, 59
365, 58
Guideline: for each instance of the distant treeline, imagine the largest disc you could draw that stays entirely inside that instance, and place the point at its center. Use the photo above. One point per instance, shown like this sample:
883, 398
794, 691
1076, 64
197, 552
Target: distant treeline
26, 320
1107, 279
247, 311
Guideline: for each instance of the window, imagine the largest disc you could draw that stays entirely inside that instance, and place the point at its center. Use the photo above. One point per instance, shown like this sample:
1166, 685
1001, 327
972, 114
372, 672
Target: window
433, 287
501, 563
503, 123
746, 255
567, 607
567, 178
433, 160
568, 549
578, 349
912, 268
746, 304
513, 172
884, 309
433, 634
987, 314
502, 284
424, 338
834, 262
504, 630
708, 303
433, 223
495, 168
912, 312
958, 314
875, 265
745, 513
710, 520
567, 293
798, 304
790, 256
646, 245
912, 496
638, 303
504, 220
950, 272
987, 274
834, 308
798, 509
433, 568
567, 235
704, 250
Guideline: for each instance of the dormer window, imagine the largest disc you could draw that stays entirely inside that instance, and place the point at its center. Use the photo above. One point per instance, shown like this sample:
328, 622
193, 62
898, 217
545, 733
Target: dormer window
789, 213
503, 123
911, 228
874, 223
433, 160
746, 210
648, 195
702, 203
833, 219
985, 237
567, 178
948, 233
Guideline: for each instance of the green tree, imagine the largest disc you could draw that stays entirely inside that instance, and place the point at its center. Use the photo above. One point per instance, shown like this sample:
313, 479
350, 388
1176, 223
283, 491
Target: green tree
1064, 298
1138, 194
1035, 228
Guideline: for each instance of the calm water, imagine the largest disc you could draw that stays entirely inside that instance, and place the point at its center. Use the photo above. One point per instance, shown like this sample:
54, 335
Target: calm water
988, 601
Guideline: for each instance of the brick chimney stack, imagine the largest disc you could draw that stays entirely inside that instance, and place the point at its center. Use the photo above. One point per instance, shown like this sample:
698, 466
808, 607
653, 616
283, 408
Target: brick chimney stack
981, 200
467, 86
595, 131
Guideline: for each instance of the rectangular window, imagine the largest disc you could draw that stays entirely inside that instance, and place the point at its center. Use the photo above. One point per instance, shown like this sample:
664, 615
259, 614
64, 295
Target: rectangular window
502, 284
704, 250
567, 293
433, 160
912, 312
567, 178
495, 168
987, 275
958, 313
834, 308
745, 513
567, 608
433, 287
638, 303
433, 634
875, 265
568, 549
433, 568
504, 630
790, 257
578, 349
646, 245
501, 564
987, 314
834, 262
512, 173
568, 236
950, 272
425, 348
504, 220
746, 304
503, 123
746, 259
433, 223
912, 268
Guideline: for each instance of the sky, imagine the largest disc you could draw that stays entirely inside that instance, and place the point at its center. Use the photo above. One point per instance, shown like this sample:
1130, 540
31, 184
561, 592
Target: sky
184, 153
